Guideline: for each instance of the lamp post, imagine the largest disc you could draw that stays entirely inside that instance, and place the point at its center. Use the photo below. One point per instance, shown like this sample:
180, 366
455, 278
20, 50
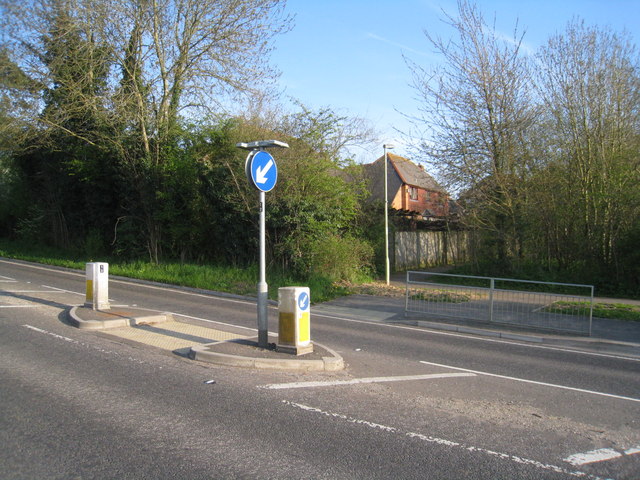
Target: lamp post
386, 146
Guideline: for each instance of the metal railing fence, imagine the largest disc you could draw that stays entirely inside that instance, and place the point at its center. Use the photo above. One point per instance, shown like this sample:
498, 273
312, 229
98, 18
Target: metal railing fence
560, 307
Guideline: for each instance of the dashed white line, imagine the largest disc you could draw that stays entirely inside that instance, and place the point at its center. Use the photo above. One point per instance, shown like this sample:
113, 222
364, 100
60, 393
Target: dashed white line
444, 442
76, 342
356, 381
55, 335
534, 382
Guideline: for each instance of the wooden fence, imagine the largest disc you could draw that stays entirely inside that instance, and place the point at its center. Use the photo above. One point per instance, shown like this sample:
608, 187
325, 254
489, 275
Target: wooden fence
423, 249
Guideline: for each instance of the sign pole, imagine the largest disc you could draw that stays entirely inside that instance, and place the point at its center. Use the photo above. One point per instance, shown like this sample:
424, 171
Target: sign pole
262, 173
263, 288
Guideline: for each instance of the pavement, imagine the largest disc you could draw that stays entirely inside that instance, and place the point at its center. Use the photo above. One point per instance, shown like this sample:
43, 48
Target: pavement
230, 346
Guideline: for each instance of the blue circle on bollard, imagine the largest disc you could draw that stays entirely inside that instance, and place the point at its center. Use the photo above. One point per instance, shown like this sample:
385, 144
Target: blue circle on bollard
303, 301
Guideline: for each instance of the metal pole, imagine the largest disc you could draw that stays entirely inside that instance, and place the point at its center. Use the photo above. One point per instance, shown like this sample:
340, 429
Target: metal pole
492, 286
263, 288
262, 182
386, 219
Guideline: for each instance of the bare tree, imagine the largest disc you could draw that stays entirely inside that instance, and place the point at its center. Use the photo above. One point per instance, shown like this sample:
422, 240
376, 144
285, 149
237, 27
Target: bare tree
476, 110
591, 90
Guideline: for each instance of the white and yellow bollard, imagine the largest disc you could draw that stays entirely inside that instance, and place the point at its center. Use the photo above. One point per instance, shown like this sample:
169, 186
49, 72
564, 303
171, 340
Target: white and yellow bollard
97, 297
294, 323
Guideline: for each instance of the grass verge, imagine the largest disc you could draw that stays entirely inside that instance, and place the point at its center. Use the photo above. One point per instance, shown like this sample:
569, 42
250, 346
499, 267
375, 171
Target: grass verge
229, 279
618, 311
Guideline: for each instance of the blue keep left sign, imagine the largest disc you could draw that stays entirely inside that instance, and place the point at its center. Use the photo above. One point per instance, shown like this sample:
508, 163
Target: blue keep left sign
263, 169
303, 301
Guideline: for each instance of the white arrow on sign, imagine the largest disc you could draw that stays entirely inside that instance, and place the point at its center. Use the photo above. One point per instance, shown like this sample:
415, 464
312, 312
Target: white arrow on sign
261, 172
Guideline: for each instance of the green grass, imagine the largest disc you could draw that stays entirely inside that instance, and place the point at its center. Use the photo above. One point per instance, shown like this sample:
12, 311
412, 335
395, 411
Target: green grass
229, 279
441, 296
619, 311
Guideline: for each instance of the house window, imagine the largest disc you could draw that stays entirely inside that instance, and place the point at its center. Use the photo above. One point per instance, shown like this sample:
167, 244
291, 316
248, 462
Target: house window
413, 193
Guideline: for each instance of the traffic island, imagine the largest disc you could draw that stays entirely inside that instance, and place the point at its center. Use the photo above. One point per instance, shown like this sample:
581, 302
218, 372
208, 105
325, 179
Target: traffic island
246, 353
87, 318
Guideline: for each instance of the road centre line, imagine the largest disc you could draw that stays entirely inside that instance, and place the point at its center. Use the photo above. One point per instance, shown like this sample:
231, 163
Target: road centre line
444, 442
357, 381
553, 385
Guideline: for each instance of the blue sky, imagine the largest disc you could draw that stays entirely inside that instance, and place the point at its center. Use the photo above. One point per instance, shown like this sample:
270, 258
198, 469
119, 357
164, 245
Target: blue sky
348, 54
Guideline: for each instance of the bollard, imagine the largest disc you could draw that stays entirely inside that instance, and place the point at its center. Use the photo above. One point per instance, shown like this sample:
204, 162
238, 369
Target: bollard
97, 296
294, 322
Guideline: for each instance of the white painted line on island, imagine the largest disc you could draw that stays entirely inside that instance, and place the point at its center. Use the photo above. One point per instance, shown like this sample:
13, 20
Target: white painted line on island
534, 382
444, 442
357, 381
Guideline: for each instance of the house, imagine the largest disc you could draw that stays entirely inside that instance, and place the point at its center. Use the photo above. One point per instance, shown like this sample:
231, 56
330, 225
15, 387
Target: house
410, 189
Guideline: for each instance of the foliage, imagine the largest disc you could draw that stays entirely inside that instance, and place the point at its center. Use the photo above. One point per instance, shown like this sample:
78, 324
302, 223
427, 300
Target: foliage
542, 148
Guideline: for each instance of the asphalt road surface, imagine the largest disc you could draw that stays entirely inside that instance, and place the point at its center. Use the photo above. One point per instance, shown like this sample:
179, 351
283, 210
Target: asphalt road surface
412, 403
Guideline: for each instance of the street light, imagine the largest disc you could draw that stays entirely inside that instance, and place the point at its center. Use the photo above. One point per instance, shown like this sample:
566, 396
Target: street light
386, 146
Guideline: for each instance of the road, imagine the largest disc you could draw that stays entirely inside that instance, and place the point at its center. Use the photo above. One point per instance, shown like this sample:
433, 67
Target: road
412, 403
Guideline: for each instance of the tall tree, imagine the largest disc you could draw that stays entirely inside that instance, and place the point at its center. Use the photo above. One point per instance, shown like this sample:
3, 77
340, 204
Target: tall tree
590, 85
164, 59
476, 110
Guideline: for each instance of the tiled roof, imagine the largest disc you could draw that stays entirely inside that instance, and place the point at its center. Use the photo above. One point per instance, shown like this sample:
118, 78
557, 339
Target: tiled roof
412, 174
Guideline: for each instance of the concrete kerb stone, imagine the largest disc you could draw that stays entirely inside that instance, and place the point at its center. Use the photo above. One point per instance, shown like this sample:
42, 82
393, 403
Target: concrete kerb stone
331, 363
88, 319
481, 332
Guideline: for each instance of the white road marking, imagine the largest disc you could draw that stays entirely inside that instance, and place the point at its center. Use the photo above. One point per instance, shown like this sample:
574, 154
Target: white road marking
553, 385
65, 291
593, 456
76, 342
357, 381
55, 335
478, 338
599, 455
444, 442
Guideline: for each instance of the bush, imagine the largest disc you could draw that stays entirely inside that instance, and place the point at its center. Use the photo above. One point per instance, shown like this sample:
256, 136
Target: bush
337, 258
